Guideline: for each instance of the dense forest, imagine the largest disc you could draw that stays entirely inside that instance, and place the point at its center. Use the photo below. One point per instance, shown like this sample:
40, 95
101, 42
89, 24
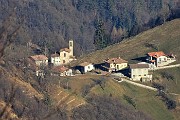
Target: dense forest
54, 22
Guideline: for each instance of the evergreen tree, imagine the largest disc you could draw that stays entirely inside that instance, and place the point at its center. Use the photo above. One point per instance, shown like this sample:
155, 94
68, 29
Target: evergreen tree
101, 40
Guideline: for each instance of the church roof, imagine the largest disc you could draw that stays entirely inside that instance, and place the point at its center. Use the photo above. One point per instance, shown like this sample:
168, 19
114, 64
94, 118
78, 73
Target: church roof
65, 49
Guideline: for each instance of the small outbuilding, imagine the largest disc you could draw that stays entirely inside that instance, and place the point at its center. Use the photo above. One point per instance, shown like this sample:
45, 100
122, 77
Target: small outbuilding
86, 67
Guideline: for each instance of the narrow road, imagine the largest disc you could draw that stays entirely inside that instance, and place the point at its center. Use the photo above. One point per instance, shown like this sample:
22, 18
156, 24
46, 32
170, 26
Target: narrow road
166, 67
137, 84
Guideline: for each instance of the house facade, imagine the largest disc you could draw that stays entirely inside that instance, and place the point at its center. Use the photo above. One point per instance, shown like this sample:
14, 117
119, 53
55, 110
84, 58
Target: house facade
39, 60
115, 64
139, 72
159, 58
86, 67
55, 59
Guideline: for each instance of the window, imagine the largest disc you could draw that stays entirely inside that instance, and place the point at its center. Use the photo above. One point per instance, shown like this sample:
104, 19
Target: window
70, 44
64, 61
88, 67
117, 66
64, 54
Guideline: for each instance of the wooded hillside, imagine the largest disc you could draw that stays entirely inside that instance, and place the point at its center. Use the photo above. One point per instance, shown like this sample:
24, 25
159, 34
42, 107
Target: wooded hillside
54, 22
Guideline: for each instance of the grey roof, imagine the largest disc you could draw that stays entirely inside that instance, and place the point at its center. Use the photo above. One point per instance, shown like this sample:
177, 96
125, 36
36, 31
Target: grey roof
136, 66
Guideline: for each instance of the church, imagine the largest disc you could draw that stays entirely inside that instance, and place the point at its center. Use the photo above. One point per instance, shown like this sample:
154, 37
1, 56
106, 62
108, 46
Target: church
66, 55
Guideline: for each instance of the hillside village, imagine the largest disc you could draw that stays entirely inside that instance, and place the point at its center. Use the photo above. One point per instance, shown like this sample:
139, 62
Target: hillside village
59, 65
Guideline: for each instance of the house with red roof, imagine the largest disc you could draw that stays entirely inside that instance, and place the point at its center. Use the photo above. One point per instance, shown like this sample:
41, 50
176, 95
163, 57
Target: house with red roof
115, 64
61, 71
160, 58
39, 60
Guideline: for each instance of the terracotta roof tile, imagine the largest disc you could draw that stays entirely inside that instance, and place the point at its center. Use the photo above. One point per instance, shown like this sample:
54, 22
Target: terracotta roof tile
60, 69
65, 49
39, 57
116, 60
156, 54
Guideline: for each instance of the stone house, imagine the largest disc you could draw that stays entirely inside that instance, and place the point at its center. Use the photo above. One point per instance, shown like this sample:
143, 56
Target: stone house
61, 71
160, 58
86, 67
55, 59
39, 60
139, 72
115, 64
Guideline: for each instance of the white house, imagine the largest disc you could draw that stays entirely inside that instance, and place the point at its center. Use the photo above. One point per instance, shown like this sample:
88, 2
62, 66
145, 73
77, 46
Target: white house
160, 58
115, 64
55, 59
39, 60
139, 72
86, 67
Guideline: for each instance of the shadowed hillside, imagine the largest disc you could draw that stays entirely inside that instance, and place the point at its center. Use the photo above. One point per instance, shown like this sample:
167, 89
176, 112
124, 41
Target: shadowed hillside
52, 23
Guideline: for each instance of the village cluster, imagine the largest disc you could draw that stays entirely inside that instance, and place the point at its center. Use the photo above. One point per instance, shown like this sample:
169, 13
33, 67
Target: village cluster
136, 72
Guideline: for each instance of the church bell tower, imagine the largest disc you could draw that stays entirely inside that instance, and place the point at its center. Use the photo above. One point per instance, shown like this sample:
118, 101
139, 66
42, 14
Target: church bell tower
71, 47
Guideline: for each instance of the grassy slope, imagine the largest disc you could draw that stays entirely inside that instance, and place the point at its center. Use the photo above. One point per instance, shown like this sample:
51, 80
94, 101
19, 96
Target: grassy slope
165, 37
145, 100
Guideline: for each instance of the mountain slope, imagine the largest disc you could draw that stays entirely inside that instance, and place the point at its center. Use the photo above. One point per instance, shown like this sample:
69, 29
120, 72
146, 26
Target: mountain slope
164, 37
54, 22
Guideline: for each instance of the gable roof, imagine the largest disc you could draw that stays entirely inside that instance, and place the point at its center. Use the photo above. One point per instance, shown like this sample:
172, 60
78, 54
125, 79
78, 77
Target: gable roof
116, 60
60, 69
136, 66
85, 64
39, 57
65, 49
156, 54
55, 55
